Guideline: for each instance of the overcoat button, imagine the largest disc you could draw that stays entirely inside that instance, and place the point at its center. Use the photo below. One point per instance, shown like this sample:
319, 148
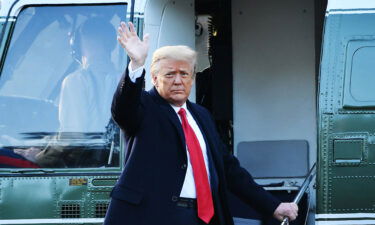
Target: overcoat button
174, 198
183, 166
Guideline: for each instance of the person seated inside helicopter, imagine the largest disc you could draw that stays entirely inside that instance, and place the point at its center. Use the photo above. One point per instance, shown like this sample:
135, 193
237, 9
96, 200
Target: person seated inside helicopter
86, 94
85, 99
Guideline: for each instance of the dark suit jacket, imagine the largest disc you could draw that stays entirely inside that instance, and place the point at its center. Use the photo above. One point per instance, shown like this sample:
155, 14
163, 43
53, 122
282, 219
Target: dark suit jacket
155, 162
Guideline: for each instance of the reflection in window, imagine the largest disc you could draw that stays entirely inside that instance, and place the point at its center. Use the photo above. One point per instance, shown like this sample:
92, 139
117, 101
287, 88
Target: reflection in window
56, 88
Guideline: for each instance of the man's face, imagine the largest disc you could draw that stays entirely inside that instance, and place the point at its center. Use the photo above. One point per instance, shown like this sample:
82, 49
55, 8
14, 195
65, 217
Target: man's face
174, 80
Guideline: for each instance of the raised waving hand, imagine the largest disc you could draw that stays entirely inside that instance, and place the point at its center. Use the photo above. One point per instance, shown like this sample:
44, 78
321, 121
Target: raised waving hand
136, 49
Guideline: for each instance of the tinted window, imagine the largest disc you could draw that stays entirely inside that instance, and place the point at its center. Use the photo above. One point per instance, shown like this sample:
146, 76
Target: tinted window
359, 74
362, 75
56, 88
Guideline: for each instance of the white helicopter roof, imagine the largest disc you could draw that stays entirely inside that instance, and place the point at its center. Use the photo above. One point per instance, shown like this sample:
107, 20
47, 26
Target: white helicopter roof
6, 5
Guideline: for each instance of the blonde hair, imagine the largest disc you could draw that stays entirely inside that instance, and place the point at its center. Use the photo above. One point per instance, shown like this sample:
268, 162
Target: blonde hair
175, 52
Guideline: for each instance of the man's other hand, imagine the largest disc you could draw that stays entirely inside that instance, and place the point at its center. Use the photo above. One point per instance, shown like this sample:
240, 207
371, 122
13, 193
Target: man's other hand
289, 210
136, 48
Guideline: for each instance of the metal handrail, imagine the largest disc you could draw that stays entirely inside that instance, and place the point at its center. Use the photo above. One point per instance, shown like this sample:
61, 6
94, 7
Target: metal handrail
302, 190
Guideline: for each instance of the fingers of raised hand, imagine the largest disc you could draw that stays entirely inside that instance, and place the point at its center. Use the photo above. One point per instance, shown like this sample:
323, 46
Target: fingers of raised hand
132, 29
128, 29
127, 32
124, 30
120, 34
120, 41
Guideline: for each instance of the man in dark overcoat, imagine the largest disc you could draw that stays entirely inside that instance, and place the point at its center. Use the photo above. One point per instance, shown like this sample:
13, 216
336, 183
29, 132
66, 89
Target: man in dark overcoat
177, 171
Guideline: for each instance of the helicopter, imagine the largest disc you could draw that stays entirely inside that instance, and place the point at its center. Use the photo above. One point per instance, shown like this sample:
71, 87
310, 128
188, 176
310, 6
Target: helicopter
287, 82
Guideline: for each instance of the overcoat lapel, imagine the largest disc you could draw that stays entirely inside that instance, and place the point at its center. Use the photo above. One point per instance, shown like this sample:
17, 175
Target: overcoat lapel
213, 156
172, 116
208, 136
202, 125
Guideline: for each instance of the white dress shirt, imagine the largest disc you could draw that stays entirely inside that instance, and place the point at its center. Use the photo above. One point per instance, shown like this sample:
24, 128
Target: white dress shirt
188, 188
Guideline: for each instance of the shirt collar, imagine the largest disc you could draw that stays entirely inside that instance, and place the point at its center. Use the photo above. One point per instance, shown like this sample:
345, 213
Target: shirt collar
177, 108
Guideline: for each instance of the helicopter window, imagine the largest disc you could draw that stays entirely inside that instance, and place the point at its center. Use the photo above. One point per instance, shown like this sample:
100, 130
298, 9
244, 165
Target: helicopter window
56, 88
359, 78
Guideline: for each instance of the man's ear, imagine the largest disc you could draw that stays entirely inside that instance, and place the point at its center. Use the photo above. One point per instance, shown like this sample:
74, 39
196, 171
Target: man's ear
154, 80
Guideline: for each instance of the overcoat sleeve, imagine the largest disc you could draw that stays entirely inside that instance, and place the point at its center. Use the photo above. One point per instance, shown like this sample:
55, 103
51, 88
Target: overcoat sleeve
242, 184
127, 110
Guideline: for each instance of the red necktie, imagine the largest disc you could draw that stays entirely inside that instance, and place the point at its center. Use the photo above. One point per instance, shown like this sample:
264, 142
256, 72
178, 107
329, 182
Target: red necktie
204, 196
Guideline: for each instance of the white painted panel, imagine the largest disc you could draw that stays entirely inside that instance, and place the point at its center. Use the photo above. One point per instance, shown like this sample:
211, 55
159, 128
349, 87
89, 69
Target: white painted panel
139, 6
177, 25
274, 71
154, 11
